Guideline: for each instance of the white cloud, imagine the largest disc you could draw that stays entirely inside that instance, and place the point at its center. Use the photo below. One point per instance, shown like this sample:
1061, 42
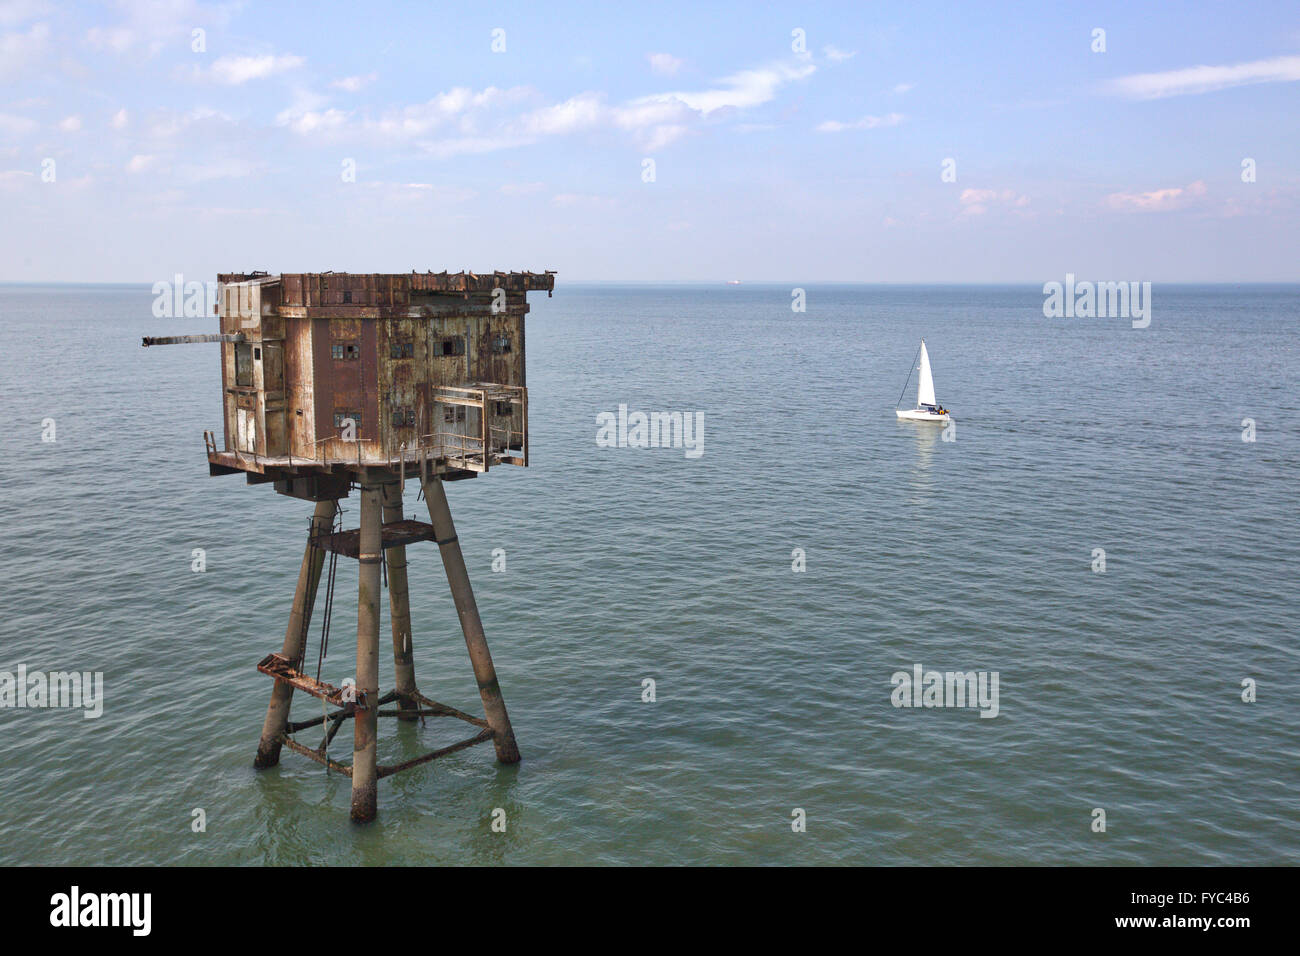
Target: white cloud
217, 169
158, 25
741, 90
234, 70
120, 119
470, 122
1206, 79
20, 50
655, 123
641, 113
168, 124
314, 121
20, 11
665, 64
12, 177
901, 88
576, 113
976, 202
437, 192
15, 126
521, 189
867, 122
70, 124
1158, 200
836, 55
115, 39
460, 105
582, 199
469, 145
657, 137
353, 83
141, 163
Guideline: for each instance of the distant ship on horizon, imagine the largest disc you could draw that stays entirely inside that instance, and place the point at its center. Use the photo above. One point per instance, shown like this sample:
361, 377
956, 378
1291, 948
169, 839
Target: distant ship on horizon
733, 282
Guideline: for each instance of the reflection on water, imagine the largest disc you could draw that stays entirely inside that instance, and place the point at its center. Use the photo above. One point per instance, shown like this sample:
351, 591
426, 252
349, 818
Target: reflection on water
926, 435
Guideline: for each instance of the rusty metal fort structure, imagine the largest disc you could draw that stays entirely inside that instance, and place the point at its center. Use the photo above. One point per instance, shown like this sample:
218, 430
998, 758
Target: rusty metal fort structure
334, 382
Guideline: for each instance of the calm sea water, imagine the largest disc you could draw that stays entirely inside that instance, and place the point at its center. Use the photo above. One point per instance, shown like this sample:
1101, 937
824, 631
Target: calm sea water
1118, 690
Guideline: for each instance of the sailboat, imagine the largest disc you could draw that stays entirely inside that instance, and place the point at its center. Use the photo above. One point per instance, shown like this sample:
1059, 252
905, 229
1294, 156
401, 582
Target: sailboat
927, 409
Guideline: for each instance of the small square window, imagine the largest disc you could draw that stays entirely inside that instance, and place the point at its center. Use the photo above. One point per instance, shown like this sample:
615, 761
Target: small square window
403, 417
399, 350
345, 350
500, 343
448, 347
503, 409
453, 414
347, 296
340, 419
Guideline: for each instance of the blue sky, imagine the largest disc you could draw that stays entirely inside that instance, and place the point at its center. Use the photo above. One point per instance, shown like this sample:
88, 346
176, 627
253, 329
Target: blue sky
773, 160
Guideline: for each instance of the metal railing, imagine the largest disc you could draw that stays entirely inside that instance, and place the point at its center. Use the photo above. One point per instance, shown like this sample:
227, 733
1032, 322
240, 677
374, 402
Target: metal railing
470, 441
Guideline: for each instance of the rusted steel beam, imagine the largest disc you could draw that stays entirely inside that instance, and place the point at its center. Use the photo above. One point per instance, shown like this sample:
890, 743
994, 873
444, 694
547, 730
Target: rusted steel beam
413, 714
191, 339
388, 770
317, 756
453, 562
283, 670
347, 711
296, 725
399, 604
295, 636
329, 734
442, 710
365, 789
395, 534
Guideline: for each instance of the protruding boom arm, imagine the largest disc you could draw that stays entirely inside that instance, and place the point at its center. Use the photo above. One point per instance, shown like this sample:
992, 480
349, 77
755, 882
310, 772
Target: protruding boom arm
189, 339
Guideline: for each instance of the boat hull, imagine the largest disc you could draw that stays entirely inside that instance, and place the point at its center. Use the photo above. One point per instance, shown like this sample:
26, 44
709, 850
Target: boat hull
921, 415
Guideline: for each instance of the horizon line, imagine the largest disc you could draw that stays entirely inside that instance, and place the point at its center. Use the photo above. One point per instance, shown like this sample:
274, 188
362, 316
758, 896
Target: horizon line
721, 282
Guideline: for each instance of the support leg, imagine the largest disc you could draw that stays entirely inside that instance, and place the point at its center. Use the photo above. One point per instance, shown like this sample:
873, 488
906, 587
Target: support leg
494, 706
295, 637
364, 770
399, 606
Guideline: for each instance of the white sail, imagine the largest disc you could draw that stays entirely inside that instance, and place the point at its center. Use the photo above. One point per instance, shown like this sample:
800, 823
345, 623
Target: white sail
925, 388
